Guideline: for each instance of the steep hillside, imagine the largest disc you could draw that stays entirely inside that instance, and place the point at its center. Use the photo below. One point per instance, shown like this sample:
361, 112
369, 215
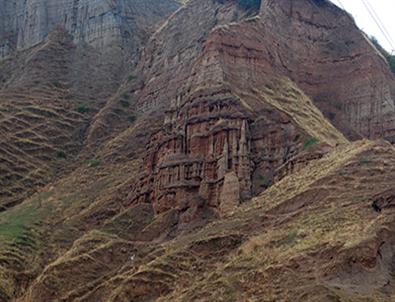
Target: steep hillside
55, 79
307, 238
153, 151
104, 25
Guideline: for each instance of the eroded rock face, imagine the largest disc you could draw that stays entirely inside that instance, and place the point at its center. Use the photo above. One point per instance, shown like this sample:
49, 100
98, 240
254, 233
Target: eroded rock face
320, 48
102, 24
202, 140
219, 122
212, 149
228, 118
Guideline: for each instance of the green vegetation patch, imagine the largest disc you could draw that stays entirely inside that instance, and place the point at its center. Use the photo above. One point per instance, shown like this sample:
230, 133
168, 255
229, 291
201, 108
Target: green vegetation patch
82, 108
92, 163
131, 78
57, 84
250, 4
310, 142
124, 103
14, 223
60, 153
131, 118
390, 58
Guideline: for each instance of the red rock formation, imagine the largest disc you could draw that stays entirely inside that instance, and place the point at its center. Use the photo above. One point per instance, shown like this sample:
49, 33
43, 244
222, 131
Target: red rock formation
239, 105
202, 140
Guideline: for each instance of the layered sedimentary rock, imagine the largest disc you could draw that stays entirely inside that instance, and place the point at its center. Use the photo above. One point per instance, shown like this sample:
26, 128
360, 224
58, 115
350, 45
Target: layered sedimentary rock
102, 24
319, 47
231, 111
203, 141
60, 61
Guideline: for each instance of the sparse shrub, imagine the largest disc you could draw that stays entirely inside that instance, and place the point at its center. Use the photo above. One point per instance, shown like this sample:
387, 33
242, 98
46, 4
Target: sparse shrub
124, 103
131, 118
338, 105
310, 142
131, 78
343, 173
56, 83
391, 61
117, 111
264, 182
82, 108
60, 154
331, 115
390, 58
92, 163
250, 4
289, 240
365, 159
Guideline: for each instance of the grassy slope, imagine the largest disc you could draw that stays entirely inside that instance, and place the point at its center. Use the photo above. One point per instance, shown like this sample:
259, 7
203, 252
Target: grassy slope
47, 224
314, 236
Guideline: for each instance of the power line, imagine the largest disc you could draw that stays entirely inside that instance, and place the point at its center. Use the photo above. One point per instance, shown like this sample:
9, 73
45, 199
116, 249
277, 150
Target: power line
378, 18
378, 24
382, 24
341, 4
367, 76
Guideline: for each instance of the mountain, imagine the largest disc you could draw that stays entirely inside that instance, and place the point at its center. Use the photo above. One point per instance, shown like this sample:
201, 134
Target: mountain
64, 60
209, 150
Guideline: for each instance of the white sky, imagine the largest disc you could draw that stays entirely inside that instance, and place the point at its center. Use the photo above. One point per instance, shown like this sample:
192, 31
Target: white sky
385, 10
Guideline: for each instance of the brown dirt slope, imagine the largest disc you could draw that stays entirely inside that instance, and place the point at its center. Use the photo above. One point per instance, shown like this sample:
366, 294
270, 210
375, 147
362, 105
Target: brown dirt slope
322, 234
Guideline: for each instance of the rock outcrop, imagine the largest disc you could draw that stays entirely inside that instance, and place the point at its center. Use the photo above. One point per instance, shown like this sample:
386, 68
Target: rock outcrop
103, 24
236, 103
143, 166
210, 129
319, 47
60, 61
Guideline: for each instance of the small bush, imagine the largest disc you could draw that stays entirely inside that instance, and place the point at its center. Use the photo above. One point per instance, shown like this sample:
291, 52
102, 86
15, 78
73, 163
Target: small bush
310, 142
94, 163
264, 182
131, 78
117, 111
365, 159
131, 118
82, 108
61, 154
249, 4
56, 83
124, 103
343, 173
390, 58
391, 61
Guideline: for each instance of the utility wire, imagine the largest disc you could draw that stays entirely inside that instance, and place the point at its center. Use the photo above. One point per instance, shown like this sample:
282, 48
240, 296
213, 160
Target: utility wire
382, 24
368, 76
341, 4
378, 24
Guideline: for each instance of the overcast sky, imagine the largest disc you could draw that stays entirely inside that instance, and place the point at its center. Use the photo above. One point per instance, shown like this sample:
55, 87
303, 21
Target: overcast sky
385, 10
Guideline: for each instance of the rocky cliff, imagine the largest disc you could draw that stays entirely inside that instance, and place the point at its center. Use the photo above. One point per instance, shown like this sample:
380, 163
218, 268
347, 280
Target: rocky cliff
102, 24
245, 99
64, 60
188, 153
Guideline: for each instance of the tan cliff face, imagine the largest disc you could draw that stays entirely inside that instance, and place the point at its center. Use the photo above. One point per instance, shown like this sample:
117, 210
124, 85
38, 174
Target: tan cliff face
200, 153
